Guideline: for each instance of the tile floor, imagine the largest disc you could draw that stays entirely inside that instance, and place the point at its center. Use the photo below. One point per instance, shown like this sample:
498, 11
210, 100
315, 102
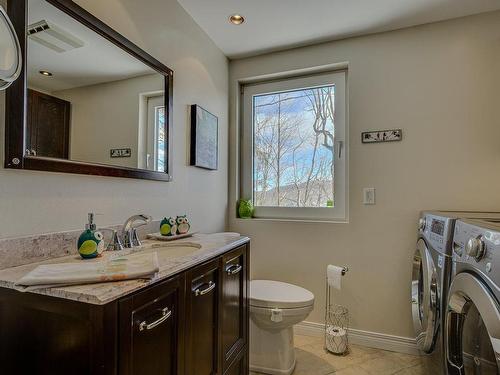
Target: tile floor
313, 360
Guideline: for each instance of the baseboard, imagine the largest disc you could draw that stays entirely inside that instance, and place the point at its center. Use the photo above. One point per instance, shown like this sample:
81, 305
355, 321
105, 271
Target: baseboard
365, 338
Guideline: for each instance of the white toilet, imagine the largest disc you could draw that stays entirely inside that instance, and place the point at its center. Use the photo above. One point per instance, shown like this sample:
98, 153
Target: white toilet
275, 307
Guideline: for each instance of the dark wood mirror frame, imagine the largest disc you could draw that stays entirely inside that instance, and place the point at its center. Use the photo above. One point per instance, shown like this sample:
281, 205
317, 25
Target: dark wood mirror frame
16, 101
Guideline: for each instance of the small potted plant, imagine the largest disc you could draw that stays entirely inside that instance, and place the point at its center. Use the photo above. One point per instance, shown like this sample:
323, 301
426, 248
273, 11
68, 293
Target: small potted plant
245, 209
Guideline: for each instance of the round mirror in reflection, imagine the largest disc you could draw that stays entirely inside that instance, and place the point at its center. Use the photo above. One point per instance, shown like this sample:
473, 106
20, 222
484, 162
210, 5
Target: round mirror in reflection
10, 52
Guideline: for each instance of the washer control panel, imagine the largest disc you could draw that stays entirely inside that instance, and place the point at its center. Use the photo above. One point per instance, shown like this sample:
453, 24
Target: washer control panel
476, 246
437, 231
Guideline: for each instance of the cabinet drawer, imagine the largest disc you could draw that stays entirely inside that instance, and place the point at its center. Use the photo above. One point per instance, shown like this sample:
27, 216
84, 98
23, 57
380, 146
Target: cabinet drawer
150, 330
234, 304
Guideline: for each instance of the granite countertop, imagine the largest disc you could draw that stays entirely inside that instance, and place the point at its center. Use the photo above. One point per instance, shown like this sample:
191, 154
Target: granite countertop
203, 247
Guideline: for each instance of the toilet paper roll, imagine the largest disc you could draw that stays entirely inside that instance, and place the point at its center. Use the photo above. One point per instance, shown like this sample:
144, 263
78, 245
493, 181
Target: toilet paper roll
336, 339
334, 276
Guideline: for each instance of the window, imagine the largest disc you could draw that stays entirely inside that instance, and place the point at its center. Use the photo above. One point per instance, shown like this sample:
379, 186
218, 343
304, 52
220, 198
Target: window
294, 147
155, 157
160, 137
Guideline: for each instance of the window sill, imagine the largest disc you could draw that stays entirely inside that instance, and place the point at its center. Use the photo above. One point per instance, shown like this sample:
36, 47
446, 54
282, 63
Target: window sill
319, 221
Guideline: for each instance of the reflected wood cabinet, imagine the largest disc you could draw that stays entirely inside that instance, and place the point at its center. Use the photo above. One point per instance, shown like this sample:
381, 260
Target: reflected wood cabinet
48, 128
194, 323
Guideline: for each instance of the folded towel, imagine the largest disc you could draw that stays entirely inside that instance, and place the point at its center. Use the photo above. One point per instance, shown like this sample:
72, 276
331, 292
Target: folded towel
135, 266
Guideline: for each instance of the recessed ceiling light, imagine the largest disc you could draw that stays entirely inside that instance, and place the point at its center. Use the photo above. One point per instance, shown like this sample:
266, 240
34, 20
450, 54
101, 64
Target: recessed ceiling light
236, 19
45, 73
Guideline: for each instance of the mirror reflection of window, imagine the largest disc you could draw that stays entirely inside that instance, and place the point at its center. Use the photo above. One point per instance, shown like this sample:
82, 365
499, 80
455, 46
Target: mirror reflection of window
156, 134
84, 91
160, 140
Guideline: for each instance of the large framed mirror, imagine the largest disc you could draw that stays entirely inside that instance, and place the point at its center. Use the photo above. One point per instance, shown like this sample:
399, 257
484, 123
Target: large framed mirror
88, 100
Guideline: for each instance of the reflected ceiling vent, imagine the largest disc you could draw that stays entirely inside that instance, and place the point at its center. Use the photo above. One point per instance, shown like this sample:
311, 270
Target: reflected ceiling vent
53, 37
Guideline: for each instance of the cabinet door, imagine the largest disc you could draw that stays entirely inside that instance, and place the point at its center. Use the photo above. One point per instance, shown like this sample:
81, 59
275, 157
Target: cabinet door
203, 291
151, 330
48, 125
240, 365
234, 312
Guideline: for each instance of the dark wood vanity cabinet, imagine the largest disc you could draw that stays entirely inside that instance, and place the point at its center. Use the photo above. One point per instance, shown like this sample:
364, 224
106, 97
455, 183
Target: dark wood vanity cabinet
194, 323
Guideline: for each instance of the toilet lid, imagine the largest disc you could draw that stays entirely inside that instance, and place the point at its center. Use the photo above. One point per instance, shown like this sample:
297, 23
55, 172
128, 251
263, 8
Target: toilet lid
276, 294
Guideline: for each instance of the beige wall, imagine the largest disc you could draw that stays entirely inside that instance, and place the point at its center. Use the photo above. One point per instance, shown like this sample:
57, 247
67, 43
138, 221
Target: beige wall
106, 116
439, 83
38, 202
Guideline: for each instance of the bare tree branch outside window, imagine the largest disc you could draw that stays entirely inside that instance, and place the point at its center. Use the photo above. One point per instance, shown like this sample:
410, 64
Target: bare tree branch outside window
294, 148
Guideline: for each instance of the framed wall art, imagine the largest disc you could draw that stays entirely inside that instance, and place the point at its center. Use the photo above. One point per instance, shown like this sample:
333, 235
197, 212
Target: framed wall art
204, 138
378, 136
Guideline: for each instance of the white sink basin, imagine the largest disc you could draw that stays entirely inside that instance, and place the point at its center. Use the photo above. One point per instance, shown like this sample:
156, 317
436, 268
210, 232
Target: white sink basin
167, 252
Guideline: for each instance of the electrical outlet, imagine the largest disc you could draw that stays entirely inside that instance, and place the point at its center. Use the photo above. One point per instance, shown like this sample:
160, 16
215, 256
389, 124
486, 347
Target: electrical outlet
369, 196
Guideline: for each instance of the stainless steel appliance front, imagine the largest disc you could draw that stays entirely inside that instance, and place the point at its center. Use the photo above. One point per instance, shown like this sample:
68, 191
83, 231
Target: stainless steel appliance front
472, 324
431, 278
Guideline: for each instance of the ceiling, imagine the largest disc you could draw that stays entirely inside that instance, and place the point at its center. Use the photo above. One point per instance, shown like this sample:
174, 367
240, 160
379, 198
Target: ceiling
98, 61
279, 24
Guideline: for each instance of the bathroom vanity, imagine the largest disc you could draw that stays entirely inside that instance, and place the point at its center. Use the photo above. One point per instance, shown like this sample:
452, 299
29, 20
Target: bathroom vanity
192, 319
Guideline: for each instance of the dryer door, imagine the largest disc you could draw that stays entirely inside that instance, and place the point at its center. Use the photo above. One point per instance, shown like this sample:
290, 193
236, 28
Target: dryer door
472, 332
424, 298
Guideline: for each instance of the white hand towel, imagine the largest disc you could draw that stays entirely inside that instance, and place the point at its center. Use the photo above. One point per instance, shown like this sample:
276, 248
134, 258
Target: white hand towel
136, 266
334, 275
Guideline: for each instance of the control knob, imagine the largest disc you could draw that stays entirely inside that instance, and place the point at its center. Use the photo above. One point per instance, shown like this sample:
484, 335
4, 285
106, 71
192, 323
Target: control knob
421, 224
475, 248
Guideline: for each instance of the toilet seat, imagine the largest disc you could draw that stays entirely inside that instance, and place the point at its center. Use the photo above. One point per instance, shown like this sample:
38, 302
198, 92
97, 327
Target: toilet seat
296, 311
277, 294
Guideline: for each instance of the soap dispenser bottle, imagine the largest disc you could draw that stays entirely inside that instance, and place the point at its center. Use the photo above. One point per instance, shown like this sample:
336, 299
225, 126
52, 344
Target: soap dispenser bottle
90, 243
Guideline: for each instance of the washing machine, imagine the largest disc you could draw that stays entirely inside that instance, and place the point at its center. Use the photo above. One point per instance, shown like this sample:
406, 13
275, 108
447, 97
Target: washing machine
431, 278
472, 319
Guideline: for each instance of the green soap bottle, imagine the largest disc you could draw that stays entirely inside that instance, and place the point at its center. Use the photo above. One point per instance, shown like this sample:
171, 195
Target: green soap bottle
90, 243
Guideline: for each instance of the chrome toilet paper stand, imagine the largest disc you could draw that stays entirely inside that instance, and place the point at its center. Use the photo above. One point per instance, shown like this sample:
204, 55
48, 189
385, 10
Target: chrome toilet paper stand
336, 323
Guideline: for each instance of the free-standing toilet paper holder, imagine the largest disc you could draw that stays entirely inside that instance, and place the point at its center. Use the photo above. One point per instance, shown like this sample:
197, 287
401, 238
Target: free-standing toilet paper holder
336, 323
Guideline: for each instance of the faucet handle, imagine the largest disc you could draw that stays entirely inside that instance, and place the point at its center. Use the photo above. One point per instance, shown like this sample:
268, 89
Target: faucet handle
132, 238
135, 236
115, 243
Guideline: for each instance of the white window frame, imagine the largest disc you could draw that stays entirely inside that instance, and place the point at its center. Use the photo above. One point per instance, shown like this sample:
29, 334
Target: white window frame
338, 213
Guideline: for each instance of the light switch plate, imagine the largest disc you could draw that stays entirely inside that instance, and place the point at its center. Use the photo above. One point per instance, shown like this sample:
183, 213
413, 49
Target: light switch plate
369, 196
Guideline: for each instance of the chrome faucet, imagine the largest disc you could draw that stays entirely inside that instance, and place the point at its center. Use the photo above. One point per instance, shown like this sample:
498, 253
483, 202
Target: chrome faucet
115, 242
129, 230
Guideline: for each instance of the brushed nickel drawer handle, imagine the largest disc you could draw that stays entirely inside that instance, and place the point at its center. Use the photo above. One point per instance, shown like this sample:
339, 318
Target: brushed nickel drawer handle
234, 269
209, 287
166, 313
